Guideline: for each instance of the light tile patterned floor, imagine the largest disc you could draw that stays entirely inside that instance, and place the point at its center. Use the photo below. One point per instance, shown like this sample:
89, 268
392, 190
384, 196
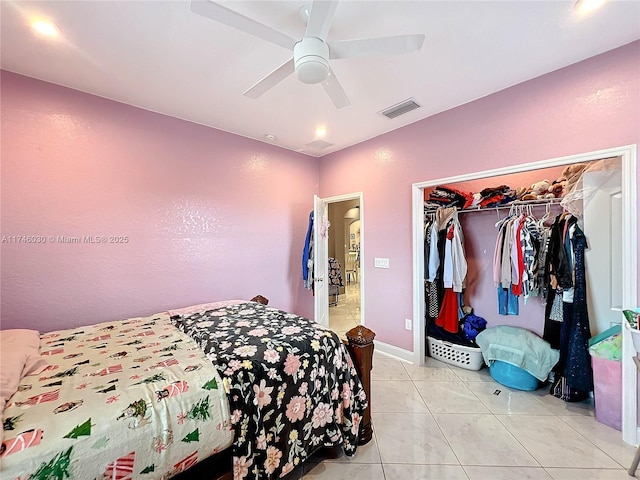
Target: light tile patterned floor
440, 422
346, 314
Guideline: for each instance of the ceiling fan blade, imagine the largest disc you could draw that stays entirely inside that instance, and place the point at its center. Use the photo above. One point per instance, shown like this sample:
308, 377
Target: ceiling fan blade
395, 45
320, 18
335, 91
219, 13
271, 80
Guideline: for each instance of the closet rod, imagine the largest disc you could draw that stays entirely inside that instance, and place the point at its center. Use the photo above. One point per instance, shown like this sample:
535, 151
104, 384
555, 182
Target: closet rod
515, 203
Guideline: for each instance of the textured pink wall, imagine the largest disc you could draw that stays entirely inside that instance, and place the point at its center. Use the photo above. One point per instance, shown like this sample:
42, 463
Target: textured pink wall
589, 106
204, 211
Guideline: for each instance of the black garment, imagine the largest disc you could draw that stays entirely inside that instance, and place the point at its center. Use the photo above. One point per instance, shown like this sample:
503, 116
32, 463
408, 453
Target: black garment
449, 197
574, 377
552, 328
557, 261
578, 366
434, 291
430, 289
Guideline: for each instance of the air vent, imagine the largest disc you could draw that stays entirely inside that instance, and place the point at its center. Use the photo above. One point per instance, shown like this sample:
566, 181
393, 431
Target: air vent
400, 109
319, 144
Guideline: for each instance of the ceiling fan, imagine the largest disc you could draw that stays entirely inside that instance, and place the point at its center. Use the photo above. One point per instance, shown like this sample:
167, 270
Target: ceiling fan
312, 53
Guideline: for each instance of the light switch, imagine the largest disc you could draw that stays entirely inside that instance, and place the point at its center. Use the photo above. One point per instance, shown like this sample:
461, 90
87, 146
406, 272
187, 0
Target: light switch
381, 262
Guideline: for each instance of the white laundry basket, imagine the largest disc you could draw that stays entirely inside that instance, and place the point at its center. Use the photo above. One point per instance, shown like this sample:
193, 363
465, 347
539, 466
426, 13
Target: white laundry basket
458, 355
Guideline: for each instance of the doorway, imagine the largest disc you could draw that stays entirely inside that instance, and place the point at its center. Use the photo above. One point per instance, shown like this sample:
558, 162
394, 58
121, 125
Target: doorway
338, 236
345, 235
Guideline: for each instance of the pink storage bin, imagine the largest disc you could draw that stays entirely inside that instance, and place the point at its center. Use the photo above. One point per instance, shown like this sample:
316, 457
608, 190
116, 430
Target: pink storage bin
607, 391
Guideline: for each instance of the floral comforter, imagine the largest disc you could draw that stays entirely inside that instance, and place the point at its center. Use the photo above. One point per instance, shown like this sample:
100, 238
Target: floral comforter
119, 400
292, 385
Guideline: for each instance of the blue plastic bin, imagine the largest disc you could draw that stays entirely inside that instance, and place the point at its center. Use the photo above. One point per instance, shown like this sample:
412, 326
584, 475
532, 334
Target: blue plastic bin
512, 376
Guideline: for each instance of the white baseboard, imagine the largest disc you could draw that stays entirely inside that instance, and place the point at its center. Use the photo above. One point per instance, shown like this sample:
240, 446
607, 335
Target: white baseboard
393, 351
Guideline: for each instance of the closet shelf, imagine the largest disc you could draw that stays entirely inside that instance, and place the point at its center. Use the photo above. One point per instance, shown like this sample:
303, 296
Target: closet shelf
516, 203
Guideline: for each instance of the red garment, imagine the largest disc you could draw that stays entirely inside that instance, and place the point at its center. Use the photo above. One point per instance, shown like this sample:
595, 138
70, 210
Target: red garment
450, 233
448, 316
492, 200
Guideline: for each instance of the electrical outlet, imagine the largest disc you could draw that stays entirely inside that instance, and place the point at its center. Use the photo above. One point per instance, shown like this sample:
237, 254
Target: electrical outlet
407, 324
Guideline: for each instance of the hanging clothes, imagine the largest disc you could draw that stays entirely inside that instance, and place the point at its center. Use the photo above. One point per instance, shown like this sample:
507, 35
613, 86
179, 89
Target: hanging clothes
445, 269
503, 268
448, 315
566, 284
430, 287
307, 256
578, 369
515, 261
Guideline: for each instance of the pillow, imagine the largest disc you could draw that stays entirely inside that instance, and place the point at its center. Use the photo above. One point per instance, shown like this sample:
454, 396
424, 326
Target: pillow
19, 356
203, 307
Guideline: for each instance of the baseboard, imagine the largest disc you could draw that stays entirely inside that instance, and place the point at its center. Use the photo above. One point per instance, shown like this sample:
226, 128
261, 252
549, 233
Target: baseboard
393, 351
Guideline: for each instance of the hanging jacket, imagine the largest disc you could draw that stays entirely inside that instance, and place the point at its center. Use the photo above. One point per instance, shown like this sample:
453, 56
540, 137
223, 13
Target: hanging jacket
455, 271
558, 264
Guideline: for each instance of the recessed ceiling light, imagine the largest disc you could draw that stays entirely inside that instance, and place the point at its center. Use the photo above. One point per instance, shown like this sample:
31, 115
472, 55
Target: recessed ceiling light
584, 6
45, 28
270, 136
321, 131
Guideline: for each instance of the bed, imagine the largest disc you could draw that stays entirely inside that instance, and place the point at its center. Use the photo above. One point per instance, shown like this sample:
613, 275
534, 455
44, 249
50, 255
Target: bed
227, 390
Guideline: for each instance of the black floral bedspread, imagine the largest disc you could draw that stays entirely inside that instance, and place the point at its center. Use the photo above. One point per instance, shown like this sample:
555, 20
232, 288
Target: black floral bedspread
292, 385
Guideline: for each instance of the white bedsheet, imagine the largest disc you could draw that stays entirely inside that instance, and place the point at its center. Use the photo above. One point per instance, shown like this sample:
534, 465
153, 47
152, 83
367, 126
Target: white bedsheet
128, 399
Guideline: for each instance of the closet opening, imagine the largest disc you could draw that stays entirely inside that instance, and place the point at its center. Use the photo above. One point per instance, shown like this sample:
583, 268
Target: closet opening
609, 223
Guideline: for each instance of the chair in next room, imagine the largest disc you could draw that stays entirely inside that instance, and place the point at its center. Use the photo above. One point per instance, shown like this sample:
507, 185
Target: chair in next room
352, 267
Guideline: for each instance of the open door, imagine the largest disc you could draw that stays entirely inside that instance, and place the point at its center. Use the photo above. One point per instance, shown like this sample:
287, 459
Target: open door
603, 221
320, 261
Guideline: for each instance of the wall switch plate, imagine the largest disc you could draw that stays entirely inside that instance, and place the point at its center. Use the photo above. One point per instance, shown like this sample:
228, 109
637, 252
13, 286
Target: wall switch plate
407, 324
381, 262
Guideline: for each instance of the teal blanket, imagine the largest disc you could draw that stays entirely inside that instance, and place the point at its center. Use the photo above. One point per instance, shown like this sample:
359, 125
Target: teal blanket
519, 347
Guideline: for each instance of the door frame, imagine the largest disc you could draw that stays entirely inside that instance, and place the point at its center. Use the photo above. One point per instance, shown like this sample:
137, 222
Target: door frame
627, 153
322, 304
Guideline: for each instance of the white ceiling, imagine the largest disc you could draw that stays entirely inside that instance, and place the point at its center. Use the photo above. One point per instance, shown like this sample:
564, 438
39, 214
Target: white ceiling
160, 56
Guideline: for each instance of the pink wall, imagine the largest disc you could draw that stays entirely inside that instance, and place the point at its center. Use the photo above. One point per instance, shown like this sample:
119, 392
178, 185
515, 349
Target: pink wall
201, 208
204, 213
589, 106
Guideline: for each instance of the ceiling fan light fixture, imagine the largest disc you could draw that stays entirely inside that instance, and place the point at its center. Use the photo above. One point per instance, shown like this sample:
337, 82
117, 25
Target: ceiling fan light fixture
311, 60
312, 53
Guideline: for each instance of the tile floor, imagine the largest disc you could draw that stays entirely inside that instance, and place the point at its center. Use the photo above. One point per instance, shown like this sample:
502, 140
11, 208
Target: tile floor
346, 315
441, 422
